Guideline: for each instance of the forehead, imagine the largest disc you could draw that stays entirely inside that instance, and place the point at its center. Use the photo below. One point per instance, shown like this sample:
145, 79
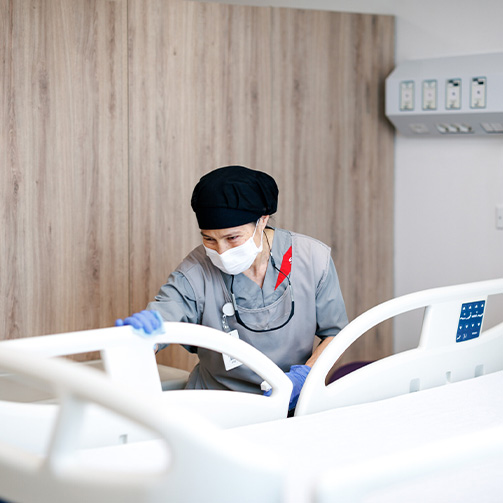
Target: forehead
231, 231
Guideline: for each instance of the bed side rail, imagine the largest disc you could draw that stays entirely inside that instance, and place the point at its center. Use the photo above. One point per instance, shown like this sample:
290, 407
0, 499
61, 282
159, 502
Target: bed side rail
447, 351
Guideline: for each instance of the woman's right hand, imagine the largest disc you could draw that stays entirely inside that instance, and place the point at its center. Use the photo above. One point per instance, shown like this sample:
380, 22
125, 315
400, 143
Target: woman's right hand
148, 321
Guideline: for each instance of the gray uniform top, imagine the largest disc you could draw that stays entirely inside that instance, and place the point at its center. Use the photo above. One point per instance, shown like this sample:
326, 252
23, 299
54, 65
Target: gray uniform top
196, 292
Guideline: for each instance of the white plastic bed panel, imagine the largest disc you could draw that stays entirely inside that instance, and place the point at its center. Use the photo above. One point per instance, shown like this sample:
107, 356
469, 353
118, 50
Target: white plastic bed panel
191, 461
288, 460
440, 359
29, 425
130, 361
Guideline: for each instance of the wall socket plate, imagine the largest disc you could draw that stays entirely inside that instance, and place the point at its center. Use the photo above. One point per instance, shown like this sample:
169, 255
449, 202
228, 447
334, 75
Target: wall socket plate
407, 95
453, 94
429, 94
478, 92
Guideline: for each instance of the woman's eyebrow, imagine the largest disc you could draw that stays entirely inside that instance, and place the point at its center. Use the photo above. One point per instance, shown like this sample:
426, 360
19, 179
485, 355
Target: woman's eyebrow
230, 234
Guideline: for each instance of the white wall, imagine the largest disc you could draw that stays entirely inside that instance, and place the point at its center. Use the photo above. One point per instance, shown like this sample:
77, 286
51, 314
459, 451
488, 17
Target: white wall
446, 189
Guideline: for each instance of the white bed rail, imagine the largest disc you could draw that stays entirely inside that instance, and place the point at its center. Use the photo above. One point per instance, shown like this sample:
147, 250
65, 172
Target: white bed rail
130, 361
438, 360
193, 461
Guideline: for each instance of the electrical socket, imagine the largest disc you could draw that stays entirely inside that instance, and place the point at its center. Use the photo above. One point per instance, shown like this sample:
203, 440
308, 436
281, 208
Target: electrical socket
407, 95
429, 94
453, 94
478, 92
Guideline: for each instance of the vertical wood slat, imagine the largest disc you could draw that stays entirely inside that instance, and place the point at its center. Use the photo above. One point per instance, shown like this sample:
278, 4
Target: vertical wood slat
63, 182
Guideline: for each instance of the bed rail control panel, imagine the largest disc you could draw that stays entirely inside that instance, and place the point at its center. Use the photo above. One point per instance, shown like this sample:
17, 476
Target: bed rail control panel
470, 320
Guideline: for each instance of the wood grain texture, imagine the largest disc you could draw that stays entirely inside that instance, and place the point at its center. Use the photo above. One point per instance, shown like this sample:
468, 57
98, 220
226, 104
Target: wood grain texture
200, 90
63, 182
111, 112
296, 93
333, 149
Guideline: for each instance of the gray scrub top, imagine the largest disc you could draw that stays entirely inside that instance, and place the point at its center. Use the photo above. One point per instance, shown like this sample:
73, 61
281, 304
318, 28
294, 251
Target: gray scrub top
196, 292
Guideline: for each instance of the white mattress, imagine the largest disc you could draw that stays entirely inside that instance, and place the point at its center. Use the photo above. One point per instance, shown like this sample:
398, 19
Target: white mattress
309, 445
331, 439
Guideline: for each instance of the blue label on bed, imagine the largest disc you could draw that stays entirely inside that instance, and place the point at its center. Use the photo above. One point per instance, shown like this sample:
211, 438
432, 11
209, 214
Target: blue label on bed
470, 320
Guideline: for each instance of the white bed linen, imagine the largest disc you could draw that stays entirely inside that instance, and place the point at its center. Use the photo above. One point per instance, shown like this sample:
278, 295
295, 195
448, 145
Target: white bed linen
310, 444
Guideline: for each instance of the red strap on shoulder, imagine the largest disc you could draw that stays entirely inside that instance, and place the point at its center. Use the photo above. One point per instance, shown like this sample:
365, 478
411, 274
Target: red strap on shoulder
286, 267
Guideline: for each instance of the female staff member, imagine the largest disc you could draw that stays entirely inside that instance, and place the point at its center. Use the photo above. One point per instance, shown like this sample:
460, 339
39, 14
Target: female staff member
243, 279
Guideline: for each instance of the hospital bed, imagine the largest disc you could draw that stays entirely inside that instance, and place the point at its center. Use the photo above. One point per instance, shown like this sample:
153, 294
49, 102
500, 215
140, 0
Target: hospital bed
422, 425
301, 459
309, 459
188, 461
305, 453
129, 361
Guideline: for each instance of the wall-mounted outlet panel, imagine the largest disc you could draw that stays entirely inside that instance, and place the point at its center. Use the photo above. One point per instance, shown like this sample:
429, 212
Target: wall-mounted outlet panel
456, 96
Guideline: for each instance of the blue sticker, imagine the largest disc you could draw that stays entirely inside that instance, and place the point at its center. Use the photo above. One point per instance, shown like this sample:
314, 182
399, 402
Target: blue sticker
470, 320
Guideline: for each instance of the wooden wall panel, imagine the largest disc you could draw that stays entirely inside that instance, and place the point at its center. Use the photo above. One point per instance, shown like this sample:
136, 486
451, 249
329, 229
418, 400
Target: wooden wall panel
333, 148
63, 158
199, 98
296, 93
111, 112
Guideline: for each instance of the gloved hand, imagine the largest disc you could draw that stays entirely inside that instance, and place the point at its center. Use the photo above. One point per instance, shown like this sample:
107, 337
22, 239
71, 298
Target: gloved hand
150, 322
297, 375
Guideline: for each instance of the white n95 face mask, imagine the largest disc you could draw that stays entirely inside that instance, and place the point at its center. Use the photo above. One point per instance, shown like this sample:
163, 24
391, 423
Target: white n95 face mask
238, 259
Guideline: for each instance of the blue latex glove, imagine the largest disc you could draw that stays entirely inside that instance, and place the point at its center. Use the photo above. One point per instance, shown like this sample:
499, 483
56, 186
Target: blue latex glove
297, 375
146, 322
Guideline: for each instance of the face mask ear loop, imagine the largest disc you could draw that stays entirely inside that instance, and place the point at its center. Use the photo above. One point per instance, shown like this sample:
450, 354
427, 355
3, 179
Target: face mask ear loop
261, 237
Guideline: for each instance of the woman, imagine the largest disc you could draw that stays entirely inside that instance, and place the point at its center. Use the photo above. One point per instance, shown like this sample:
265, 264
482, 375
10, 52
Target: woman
242, 280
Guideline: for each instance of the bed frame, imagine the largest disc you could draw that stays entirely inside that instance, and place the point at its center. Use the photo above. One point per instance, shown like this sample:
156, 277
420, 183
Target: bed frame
129, 362
447, 351
189, 460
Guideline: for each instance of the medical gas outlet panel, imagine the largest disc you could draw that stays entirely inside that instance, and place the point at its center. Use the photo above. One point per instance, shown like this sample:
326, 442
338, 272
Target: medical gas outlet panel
455, 96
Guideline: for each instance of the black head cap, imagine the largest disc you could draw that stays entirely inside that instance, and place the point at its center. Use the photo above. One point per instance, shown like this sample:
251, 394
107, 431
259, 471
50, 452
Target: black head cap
233, 196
